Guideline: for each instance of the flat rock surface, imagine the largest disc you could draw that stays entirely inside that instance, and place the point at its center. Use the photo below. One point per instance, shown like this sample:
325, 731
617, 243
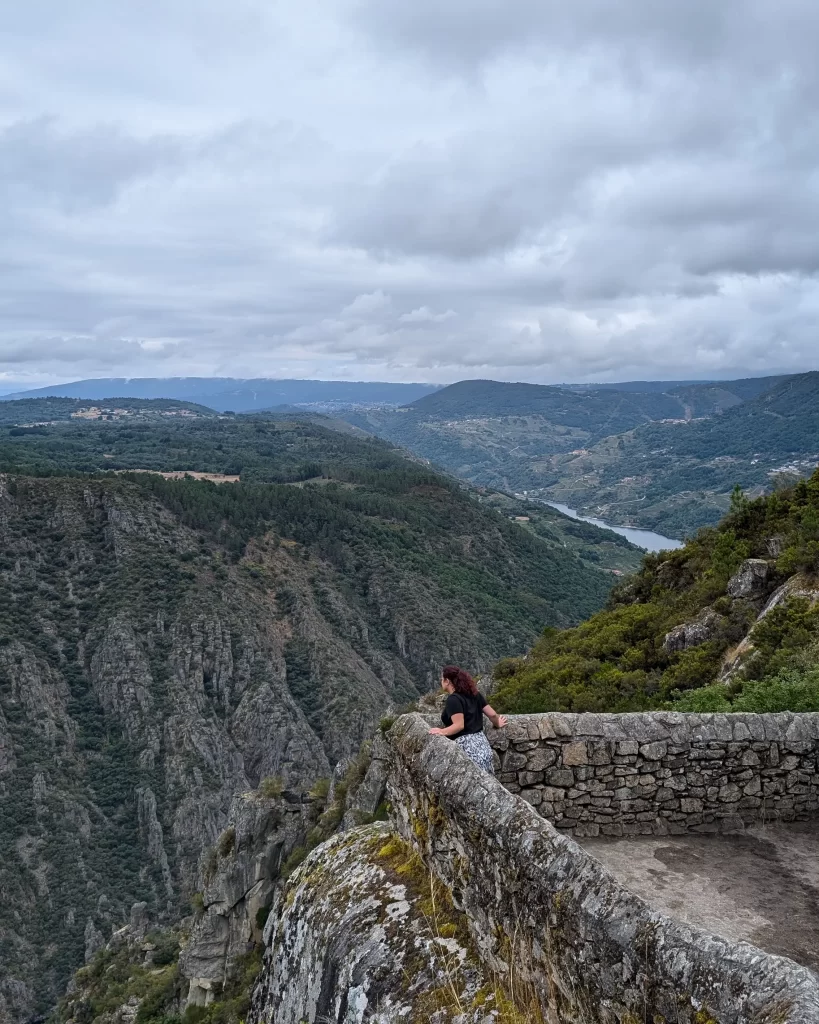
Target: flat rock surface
760, 886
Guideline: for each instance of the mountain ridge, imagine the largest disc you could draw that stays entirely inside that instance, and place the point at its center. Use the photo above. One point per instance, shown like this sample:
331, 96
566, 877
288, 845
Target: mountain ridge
607, 452
233, 393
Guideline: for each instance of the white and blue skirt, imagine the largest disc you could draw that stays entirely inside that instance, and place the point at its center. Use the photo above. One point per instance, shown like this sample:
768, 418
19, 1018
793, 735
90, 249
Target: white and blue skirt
476, 747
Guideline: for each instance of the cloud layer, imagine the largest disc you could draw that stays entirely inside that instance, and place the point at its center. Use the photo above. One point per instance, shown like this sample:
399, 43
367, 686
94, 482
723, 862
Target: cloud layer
522, 189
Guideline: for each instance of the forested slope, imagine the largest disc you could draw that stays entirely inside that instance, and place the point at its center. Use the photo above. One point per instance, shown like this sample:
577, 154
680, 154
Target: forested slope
730, 620
664, 461
674, 477
165, 644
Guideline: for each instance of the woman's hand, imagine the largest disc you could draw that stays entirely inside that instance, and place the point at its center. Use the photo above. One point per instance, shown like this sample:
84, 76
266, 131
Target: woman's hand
501, 722
437, 732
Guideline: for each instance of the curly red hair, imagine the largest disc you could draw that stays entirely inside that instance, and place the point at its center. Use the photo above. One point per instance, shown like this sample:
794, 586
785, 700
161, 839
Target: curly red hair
461, 680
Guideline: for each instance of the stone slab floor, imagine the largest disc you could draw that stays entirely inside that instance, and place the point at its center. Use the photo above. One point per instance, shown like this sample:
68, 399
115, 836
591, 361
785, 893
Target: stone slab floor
759, 886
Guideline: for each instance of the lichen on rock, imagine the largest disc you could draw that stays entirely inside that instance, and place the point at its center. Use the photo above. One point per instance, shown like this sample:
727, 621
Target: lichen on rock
364, 935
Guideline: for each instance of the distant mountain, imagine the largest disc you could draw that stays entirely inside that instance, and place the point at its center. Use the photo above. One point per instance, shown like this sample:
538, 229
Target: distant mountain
236, 394
661, 386
706, 399
659, 459
675, 477
34, 411
602, 412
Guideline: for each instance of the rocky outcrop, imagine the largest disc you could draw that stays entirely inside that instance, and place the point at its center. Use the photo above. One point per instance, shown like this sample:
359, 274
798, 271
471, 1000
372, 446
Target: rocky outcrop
692, 634
798, 586
534, 899
750, 581
358, 937
240, 874
368, 795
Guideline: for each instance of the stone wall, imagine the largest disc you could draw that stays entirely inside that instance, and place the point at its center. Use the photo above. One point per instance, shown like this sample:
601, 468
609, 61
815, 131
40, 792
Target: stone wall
540, 907
661, 773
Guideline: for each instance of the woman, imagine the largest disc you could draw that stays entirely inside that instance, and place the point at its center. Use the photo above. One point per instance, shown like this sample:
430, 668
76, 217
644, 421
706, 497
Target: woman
462, 716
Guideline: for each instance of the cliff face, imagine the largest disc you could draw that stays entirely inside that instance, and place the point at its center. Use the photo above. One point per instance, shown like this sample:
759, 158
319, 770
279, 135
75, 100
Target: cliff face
146, 679
239, 875
363, 933
140, 689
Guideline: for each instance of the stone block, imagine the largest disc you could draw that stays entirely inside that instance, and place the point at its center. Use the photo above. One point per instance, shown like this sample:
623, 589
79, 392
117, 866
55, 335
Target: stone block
530, 778
514, 761
653, 751
576, 753
560, 777
690, 805
600, 752
545, 728
540, 759
532, 796
627, 748
732, 823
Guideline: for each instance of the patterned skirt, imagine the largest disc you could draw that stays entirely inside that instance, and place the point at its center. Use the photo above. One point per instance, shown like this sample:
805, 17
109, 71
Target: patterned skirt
476, 747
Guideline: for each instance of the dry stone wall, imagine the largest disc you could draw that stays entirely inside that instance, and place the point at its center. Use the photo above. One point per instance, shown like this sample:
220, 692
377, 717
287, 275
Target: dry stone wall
661, 773
541, 907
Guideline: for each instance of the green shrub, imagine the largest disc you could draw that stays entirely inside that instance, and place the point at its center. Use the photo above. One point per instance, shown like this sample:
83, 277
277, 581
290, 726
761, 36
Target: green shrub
210, 861
788, 691
262, 915
321, 787
226, 842
271, 787
296, 856
706, 699
167, 949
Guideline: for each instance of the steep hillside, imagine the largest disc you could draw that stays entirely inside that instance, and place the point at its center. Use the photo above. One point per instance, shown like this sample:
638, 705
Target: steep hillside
660, 461
38, 413
313, 450
599, 412
675, 477
166, 643
730, 620
710, 399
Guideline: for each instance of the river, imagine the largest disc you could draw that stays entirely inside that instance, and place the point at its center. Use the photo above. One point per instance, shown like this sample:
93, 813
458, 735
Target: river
645, 539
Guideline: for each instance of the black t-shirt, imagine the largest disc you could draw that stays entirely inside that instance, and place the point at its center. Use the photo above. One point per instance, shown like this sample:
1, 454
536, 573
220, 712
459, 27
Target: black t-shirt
470, 707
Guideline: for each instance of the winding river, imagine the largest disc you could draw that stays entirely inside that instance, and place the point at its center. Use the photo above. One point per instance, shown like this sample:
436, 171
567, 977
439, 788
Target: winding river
645, 539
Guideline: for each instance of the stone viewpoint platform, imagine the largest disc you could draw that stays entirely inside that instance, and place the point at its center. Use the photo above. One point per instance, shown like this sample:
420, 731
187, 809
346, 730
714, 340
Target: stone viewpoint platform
686, 821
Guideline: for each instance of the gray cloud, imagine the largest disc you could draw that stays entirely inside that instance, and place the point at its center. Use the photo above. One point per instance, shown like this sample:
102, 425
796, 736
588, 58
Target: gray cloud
369, 188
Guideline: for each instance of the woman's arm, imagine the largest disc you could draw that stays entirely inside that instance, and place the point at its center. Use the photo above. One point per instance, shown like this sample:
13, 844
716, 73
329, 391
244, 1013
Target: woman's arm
451, 730
499, 721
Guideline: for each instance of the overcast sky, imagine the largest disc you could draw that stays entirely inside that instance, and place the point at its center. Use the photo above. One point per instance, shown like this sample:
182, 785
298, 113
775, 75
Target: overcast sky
408, 189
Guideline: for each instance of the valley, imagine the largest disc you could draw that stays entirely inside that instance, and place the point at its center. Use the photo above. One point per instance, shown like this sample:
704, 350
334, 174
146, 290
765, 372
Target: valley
203, 618
167, 642
661, 461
